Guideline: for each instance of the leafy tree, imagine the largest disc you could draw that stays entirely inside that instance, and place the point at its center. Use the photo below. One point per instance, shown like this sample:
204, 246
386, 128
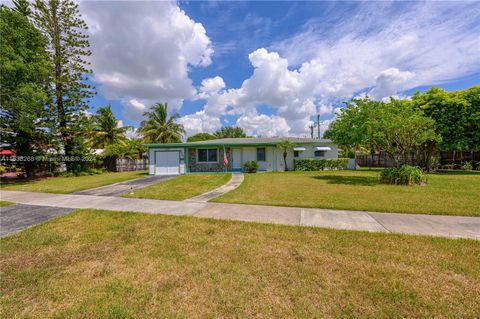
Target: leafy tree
356, 128
472, 129
136, 147
105, 129
23, 78
396, 128
200, 137
230, 132
327, 134
22, 7
159, 127
456, 115
132, 148
68, 46
285, 145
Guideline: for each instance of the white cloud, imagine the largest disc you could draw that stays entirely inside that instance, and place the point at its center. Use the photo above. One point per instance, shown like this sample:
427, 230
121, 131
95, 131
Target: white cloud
389, 50
390, 82
212, 85
263, 125
133, 109
380, 51
199, 122
142, 52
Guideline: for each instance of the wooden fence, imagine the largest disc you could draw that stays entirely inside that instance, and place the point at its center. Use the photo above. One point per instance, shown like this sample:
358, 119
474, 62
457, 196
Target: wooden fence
125, 164
445, 158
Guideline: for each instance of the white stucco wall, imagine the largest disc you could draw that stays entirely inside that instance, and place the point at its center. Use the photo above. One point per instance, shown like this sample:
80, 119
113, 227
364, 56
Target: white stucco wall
310, 151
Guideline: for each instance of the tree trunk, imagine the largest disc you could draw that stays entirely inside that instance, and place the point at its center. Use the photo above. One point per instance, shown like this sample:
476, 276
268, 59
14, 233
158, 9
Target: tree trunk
285, 160
58, 70
29, 169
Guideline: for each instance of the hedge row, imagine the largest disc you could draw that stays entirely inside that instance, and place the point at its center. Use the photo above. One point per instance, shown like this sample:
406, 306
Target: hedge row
320, 164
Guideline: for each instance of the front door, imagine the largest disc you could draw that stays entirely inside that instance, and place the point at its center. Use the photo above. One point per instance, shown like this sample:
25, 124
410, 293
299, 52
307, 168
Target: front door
236, 159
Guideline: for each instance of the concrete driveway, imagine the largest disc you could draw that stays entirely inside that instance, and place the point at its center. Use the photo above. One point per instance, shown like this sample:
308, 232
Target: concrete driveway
125, 187
15, 218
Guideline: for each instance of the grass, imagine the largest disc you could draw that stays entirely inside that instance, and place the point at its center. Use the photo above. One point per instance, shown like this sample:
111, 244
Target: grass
446, 193
100, 264
65, 185
4, 203
182, 187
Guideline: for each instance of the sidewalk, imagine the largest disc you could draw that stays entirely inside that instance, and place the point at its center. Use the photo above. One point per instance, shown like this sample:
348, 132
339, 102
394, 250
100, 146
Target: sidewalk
444, 226
234, 182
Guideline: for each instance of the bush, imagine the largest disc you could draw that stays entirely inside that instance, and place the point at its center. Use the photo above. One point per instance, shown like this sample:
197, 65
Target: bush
250, 166
320, 164
467, 166
405, 175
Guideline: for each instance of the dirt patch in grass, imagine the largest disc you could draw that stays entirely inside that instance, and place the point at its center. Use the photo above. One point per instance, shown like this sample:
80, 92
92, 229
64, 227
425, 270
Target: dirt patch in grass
100, 264
182, 187
444, 194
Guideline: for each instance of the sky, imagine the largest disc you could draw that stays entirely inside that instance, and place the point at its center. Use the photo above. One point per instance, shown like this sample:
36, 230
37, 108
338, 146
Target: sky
270, 67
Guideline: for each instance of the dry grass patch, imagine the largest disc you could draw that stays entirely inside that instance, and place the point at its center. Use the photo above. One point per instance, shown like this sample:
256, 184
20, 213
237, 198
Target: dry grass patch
65, 185
182, 187
101, 264
449, 193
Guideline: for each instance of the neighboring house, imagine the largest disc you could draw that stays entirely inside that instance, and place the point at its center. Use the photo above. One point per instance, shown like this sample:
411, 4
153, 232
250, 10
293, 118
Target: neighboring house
208, 156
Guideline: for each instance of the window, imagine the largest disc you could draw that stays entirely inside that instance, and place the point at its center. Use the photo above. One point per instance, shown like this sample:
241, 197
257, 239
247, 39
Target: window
261, 154
319, 153
296, 153
209, 155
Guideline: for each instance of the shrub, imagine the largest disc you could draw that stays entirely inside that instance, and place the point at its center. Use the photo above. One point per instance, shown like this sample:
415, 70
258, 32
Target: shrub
320, 164
467, 166
405, 175
250, 166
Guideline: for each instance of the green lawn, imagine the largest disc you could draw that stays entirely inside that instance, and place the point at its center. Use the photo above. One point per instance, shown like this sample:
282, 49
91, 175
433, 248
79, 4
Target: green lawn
5, 203
99, 264
65, 185
448, 193
182, 187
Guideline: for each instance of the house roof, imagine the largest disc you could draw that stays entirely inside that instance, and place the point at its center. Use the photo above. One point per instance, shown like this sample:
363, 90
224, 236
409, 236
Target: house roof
250, 141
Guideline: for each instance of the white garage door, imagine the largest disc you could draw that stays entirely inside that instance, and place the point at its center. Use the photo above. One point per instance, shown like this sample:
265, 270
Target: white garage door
167, 163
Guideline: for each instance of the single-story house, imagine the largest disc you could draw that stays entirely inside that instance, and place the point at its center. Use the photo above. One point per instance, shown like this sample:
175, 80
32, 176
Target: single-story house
208, 156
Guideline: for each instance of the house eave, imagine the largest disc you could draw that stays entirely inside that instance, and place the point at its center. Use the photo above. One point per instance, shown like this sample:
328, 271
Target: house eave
203, 145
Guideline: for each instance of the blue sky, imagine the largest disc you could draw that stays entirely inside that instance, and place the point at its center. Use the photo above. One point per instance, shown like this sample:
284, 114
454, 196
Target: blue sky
270, 67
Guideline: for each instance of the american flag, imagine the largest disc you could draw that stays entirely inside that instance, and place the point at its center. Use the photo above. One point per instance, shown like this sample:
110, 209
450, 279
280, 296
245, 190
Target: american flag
225, 158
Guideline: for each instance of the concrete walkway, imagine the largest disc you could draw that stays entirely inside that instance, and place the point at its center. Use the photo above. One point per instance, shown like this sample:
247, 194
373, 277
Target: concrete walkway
125, 187
235, 181
444, 226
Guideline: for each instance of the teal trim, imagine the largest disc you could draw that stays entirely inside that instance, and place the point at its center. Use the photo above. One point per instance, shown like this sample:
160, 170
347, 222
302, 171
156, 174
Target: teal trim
193, 145
185, 156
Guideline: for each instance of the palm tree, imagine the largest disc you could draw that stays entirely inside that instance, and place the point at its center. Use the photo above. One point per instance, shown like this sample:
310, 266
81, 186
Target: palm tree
159, 127
285, 145
105, 129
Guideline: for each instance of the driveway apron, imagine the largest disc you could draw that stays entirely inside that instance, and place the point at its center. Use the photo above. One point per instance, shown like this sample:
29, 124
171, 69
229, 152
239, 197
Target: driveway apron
125, 187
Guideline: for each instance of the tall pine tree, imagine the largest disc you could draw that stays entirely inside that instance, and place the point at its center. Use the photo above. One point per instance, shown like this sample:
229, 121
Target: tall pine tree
22, 7
68, 46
